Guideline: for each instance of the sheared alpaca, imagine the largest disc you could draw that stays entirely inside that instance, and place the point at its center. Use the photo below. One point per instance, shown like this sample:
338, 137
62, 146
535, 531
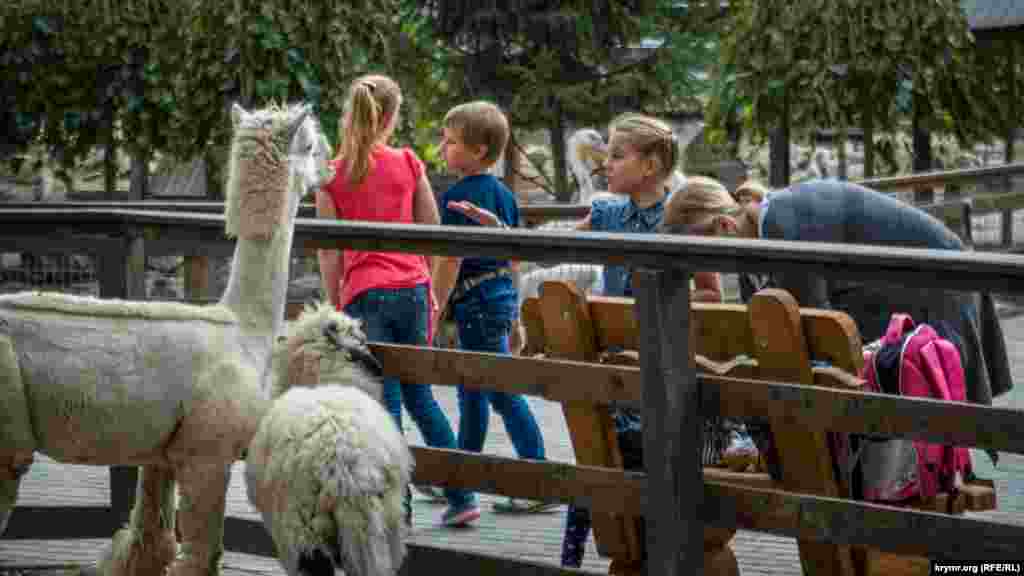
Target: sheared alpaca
328, 467
176, 389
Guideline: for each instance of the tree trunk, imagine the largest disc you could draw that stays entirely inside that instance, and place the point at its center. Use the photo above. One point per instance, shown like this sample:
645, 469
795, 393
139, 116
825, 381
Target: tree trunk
869, 144
922, 149
841, 149
139, 186
558, 156
1011, 98
779, 148
109, 153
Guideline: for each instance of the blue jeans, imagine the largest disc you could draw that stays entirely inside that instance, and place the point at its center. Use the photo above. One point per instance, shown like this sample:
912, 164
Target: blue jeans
400, 316
484, 319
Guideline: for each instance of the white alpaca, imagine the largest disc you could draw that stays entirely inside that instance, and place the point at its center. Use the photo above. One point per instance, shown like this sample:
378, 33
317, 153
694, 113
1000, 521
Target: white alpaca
328, 466
589, 278
587, 151
176, 389
327, 470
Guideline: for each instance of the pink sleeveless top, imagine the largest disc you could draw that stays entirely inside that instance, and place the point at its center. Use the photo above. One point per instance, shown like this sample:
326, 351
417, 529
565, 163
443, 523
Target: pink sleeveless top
385, 195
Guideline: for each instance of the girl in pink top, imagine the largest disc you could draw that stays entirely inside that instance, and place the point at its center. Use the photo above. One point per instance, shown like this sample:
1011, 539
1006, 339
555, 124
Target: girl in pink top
388, 291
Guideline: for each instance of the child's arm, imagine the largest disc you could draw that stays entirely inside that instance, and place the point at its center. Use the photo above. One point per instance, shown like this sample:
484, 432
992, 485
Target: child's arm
330, 263
707, 287
446, 271
424, 209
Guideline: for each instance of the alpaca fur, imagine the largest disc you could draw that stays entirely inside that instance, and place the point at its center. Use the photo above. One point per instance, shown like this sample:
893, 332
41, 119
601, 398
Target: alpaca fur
327, 470
308, 355
589, 278
328, 465
176, 389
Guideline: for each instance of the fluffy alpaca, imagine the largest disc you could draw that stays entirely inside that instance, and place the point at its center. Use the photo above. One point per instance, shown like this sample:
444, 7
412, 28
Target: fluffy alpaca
327, 470
328, 465
176, 389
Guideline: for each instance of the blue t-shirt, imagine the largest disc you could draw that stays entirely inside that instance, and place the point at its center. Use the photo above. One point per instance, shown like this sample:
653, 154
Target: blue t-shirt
623, 216
489, 193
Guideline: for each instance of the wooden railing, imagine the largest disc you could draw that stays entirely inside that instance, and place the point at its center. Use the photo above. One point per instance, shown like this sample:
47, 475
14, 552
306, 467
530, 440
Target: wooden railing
955, 213
673, 495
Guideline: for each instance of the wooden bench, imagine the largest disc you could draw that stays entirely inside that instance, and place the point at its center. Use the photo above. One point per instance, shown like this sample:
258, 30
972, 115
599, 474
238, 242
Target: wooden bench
771, 339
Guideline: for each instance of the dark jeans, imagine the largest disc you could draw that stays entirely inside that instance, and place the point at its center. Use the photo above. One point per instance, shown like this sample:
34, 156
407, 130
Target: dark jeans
484, 319
400, 316
577, 518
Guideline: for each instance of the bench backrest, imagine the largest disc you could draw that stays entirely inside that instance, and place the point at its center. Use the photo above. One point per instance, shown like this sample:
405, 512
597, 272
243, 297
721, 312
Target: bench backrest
772, 338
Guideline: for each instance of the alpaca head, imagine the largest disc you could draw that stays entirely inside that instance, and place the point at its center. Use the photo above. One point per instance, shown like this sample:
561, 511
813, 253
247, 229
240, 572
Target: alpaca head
278, 155
323, 345
587, 152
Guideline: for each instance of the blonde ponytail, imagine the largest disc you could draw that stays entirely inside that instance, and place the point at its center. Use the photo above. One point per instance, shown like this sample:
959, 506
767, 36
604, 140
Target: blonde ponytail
371, 103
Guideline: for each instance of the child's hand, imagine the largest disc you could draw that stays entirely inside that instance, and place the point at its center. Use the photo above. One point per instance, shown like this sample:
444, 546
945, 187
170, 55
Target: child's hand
475, 213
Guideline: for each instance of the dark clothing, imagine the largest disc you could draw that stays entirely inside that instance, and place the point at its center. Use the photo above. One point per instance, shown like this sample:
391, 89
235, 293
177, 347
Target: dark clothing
841, 212
483, 315
487, 192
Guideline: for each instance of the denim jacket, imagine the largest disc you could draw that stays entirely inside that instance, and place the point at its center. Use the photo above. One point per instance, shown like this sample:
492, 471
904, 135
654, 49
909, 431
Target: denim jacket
623, 216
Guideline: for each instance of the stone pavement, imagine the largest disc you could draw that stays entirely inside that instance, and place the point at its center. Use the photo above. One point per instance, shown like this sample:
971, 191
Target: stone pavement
531, 537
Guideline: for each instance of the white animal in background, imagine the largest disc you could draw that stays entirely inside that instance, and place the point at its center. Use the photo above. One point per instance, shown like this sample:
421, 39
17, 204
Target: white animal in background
589, 278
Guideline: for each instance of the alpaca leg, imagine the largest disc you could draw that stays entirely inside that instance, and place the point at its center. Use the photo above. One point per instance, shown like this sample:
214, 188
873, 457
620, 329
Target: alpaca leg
17, 441
203, 489
146, 545
9, 481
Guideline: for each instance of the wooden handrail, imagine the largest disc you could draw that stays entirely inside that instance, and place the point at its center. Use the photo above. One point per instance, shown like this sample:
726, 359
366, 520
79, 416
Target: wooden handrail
668, 262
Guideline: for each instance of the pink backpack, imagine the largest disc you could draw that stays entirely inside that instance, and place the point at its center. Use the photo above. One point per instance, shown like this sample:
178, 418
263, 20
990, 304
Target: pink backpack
927, 366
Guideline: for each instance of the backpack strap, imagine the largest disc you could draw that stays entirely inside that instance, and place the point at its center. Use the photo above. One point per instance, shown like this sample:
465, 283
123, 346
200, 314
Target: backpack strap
899, 324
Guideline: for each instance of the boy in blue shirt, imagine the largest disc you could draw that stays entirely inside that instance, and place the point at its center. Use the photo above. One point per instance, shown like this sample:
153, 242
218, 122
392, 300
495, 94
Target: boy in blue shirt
482, 291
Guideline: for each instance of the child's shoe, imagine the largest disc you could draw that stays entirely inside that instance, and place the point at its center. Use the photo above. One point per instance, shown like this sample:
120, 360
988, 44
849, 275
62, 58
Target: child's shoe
432, 493
740, 453
461, 516
524, 506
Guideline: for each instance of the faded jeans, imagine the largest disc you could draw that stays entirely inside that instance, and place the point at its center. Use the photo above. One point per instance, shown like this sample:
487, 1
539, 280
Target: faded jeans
400, 316
484, 318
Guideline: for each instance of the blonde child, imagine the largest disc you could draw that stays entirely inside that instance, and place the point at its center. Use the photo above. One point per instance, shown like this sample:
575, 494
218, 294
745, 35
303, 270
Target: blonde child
642, 156
389, 292
481, 291
847, 213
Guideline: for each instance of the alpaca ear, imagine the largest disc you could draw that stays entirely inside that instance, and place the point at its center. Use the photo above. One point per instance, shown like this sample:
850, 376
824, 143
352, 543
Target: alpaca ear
237, 113
300, 117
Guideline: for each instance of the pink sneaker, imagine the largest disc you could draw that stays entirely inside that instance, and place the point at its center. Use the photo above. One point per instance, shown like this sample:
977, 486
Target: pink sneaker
461, 516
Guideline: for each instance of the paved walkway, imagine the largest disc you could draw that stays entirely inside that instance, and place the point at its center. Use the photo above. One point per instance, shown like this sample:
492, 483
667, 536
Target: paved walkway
534, 537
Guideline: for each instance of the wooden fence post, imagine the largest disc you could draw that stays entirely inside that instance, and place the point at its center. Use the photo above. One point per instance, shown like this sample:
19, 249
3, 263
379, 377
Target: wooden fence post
673, 434
122, 274
197, 277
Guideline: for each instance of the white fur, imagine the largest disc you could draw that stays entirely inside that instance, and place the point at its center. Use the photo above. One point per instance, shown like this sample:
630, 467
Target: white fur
587, 277
178, 389
327, 470
306, 336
